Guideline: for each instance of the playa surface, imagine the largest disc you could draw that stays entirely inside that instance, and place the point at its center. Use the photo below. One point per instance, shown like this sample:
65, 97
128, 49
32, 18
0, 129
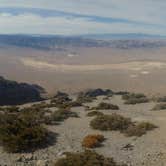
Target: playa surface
139, 70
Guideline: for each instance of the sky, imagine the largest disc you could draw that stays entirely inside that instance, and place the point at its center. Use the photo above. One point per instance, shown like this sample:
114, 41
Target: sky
77, 17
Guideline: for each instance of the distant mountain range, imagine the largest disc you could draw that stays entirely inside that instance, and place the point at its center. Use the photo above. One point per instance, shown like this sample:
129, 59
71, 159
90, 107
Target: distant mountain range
124, 36
53, 42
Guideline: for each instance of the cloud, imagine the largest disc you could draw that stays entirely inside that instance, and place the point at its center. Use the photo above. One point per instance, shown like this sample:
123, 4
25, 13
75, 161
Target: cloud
83, 16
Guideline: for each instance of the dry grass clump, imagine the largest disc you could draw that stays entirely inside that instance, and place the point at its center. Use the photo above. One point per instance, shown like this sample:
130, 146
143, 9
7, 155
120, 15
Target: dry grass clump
122, 124
21, 132
139, 129
110, 122
86, 158
161, 106
92, 141
135, 98
94, 113
106, 106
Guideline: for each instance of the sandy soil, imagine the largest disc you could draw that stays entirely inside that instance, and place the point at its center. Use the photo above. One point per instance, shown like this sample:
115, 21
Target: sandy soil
148, 150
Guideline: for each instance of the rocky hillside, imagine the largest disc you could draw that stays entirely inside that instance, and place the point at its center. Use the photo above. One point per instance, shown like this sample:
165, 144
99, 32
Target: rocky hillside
13, 93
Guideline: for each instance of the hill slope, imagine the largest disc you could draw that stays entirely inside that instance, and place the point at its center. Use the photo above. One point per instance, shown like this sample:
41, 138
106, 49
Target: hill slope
13, 93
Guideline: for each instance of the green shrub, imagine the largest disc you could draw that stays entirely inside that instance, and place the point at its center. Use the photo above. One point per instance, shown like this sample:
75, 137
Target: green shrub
94, 113
111, 122
87, 158
139, 129
62, 114
22, 132
106, 106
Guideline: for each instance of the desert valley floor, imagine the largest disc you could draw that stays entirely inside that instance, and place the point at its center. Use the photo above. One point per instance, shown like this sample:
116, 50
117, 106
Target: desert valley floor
140, 70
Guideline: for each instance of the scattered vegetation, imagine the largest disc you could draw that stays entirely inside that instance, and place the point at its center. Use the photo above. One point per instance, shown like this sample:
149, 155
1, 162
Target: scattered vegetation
10, 109
161, 106
94, 113
121, 93
62, 114
106, 106
84, 99
135, 98
22, 132
92, 141
122, 124
111, 122
139, 129
62, 101
161, 99
98, 92
86, 158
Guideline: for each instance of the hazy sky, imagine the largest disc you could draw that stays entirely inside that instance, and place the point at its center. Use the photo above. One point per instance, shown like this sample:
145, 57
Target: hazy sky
69, 17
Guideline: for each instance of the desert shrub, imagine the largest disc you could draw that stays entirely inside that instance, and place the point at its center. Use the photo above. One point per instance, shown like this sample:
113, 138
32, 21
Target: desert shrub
137, 101
122, 124
139, 129
92, 141
111, 122
133, 95
38, 113
63, 101
70, 104
43, 105
62, 114
86, 158
60, 99
10, 109
84, 99
121, 93
22, 132
98, 92
161, 106
106, 106
135, 98
161, 99
94, 113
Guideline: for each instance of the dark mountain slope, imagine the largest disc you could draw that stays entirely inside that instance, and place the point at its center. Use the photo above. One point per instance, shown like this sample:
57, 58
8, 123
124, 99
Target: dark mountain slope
13, 93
